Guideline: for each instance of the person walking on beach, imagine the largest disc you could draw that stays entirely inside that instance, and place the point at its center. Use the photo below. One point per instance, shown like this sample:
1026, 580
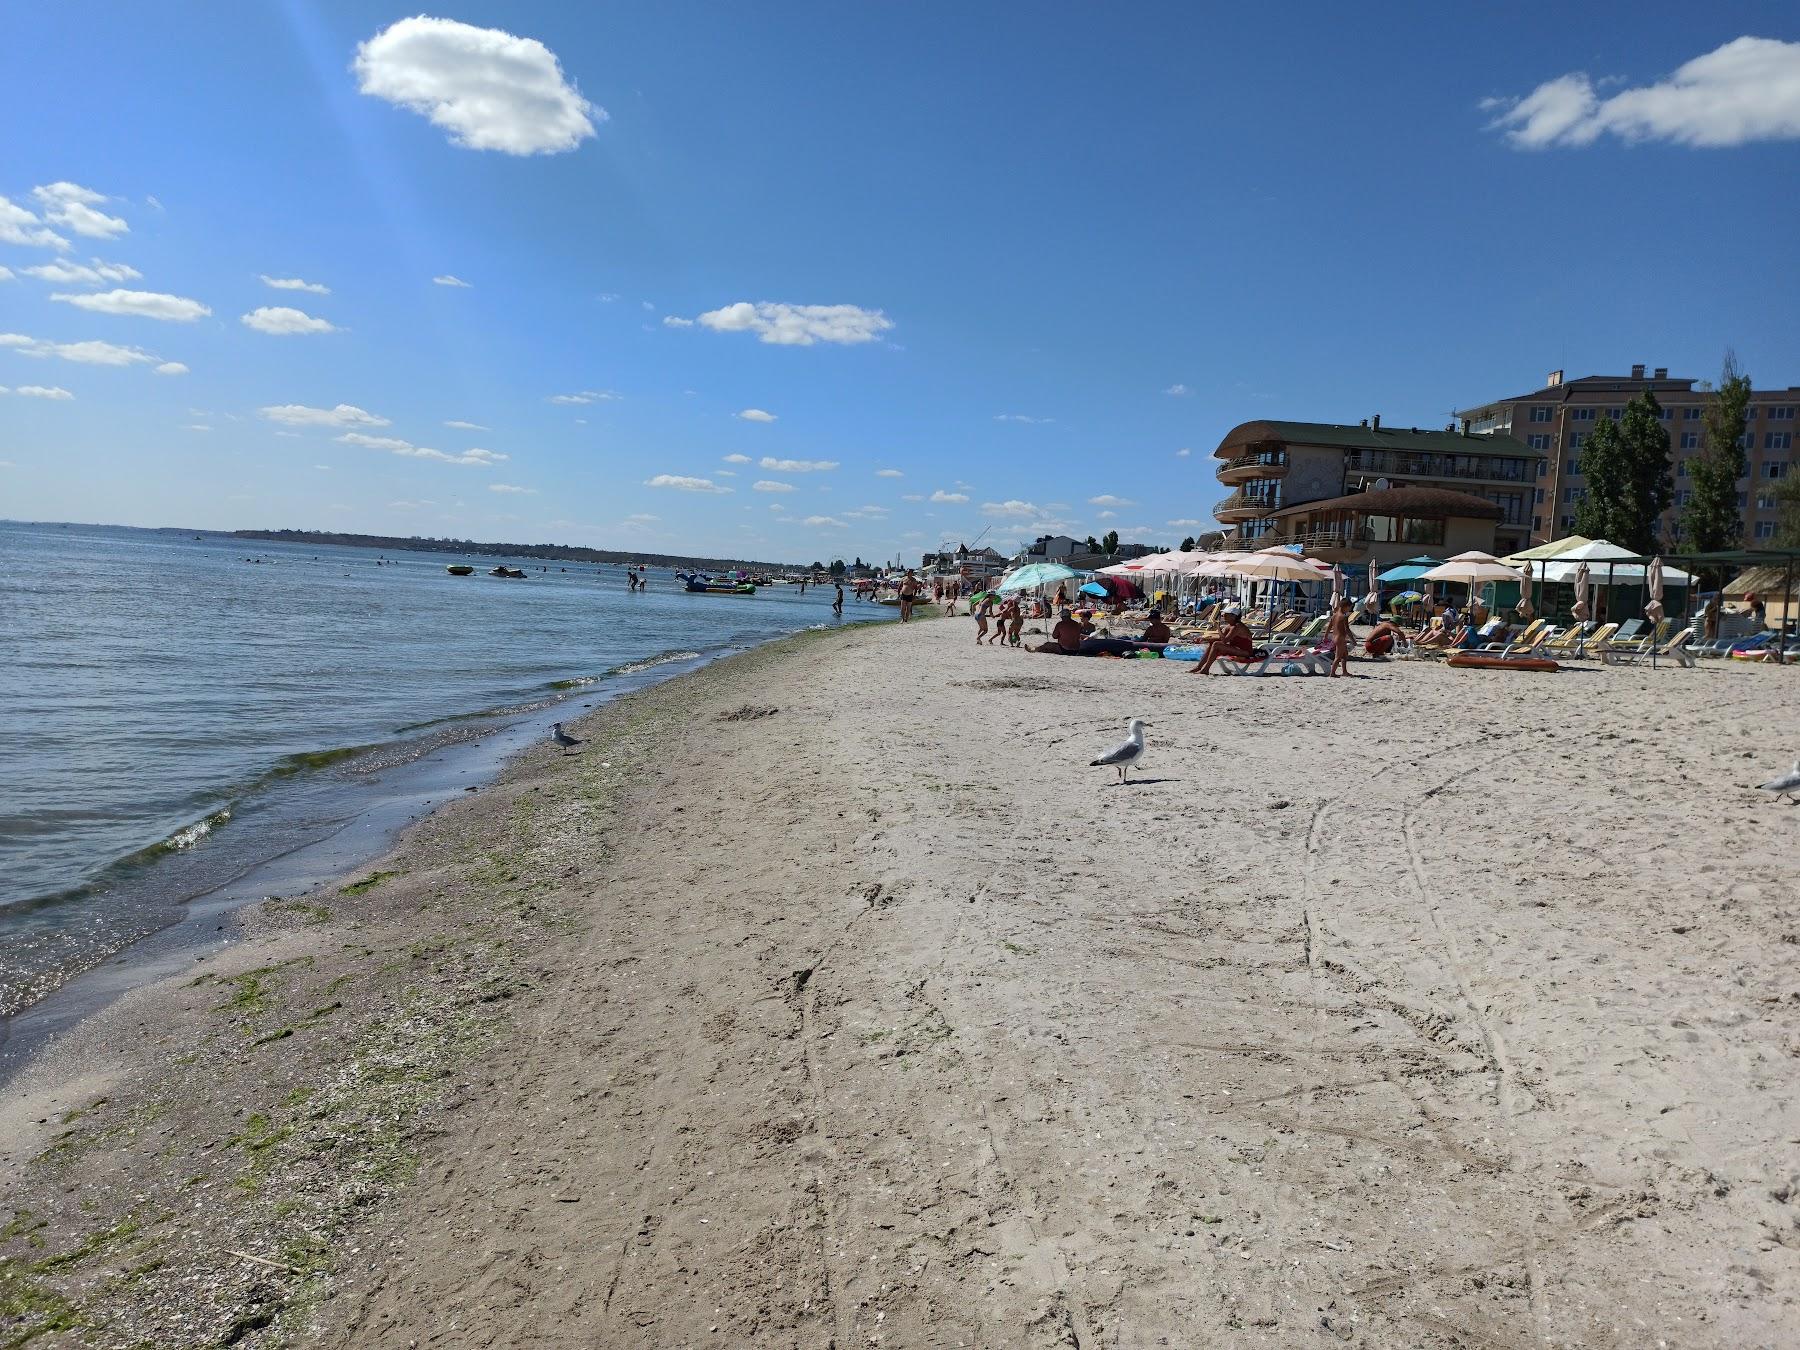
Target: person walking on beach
837, 605
983, 608
1340, 637
1014, 624
1008, 608
909, 593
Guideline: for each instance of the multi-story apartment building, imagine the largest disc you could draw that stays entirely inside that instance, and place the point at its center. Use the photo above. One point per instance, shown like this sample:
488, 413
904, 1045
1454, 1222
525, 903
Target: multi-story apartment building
1556, 420
1275, 466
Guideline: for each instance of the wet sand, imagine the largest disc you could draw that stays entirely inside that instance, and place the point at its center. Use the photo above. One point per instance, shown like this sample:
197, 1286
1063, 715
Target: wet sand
828, 997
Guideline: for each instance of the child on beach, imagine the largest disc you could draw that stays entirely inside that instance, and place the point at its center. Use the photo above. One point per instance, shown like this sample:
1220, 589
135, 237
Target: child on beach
1340, 637
1014, 624
1008, 609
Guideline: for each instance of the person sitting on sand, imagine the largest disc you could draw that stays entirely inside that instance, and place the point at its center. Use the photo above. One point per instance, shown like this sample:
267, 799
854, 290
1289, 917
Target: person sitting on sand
1065, 638
1234, 641
1157, 631
1382, 640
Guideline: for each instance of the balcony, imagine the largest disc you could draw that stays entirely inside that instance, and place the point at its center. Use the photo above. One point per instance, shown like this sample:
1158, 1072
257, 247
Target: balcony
1246, 506
1485, 468
1262, 464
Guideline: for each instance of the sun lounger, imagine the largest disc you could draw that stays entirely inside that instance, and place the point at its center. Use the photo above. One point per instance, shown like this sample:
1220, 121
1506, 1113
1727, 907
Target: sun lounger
1288, 660
1594, 643
1526, 640
1675, 649
1623, 643
1564, 643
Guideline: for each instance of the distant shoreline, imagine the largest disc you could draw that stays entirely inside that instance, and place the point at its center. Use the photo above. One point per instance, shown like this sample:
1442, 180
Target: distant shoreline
411, 544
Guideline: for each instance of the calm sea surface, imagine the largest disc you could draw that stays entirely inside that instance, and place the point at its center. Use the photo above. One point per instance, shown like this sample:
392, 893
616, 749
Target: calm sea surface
179, 710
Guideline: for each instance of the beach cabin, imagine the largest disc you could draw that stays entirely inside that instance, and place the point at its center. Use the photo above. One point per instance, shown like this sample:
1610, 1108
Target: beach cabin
1388, 525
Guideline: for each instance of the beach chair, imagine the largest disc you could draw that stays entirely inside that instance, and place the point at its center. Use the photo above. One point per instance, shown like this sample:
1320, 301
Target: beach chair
1595, 642
1637, 642
1524, 641
1562, 643
1675, 649
1288, 660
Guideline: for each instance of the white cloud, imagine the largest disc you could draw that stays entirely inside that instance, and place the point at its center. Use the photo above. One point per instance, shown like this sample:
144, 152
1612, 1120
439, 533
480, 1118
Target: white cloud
1188, 524
448, 280
294, 284
607, 298
958, 498
676, 321
737, 459
756, 415
681, 484
770, 485
889, 473
488, 89
1183, 453
465, 426
1107, 499
797, 465
1178, 391
586, 396
72, 206
831, 522
19, 226
787, 325
642, 518
171, 368
726, 473
142, 304
911, 497
299, 415
86, 353
1021, 417
280, 321
69, 274
473, 459
1747, 90
511, 488
42, 391
1012, 509
6, 274
196, 426
1106, 515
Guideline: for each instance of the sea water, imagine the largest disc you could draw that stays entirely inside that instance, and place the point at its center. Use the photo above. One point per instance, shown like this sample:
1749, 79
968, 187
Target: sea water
177, 710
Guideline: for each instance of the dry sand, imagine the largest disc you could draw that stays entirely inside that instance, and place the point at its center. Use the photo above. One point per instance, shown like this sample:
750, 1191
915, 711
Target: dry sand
829, 998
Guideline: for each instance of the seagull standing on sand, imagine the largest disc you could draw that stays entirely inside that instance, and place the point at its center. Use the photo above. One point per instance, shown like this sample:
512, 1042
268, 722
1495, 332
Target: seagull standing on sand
1123, 757
1785, 784
562, 738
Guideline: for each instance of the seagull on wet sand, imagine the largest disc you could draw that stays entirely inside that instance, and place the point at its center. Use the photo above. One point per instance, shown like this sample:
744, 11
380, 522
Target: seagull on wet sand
1131, 752
562, 738
1785, 784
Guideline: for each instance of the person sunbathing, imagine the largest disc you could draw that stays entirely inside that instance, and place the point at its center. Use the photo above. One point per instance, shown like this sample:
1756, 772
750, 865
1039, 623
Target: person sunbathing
1234, 642
1065, 638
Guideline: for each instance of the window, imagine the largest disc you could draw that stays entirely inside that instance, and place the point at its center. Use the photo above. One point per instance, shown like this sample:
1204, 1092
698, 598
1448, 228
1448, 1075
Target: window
1681, 468
1778, 440
1743, 500
1664, 413
1683, 497
1543, 468
1540, 413
1575, 440
1775, 469
1581, 414
1572, 495
1690, 440
1537, 524
1765, 529
1615, 413
1767, 501
1541, 441
1747, 441
1539, 499
1773, 414
1565, 522
1692, 414
1572, 464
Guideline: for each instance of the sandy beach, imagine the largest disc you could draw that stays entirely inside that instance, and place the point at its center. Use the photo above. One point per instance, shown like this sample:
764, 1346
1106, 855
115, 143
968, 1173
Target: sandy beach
828, 997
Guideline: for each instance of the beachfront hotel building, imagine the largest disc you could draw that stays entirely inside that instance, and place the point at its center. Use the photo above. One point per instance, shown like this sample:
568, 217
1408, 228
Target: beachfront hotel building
1275, 467
1556, 420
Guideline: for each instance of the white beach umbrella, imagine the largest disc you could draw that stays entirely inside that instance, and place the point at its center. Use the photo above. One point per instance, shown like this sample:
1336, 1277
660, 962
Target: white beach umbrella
1580, 610
1474, 568
1653, 578
1277, 564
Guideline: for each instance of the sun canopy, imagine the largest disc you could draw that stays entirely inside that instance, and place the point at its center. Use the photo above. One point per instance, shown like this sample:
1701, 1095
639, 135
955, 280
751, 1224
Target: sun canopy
1473, 568
1411, 570
1554, 549
1604, 567
1033, 575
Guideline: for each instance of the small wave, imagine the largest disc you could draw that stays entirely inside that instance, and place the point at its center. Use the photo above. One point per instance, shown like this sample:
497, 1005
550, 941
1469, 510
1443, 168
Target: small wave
189, 835
634, 667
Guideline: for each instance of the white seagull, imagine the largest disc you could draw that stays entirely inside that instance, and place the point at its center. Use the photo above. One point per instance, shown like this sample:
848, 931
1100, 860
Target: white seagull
1127, 754
562, 738
1785, 784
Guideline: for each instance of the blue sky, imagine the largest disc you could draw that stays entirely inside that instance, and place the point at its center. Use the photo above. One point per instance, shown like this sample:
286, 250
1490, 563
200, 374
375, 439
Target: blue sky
997, 266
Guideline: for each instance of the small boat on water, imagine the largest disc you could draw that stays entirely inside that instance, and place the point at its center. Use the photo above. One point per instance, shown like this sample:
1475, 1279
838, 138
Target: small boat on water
701, 586
460, 570
510, 573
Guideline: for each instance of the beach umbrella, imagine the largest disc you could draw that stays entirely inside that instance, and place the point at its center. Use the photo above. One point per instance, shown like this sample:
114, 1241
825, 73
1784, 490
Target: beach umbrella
1337, 587
1372, 601
1033, 575
1580, 610
1653, 579
1094, 588
1524, 605
1474, 568
1409, 597
1277, 564
1429, 596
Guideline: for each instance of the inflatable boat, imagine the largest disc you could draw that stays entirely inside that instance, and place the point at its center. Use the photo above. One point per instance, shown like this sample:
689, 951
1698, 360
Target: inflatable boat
1495, 661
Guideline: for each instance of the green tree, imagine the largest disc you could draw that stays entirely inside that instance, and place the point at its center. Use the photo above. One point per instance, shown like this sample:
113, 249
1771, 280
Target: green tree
818, 567
1711, 519
1629, 481
1093, 544
837, 567
1188, 545
1110, 544
1787, 502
